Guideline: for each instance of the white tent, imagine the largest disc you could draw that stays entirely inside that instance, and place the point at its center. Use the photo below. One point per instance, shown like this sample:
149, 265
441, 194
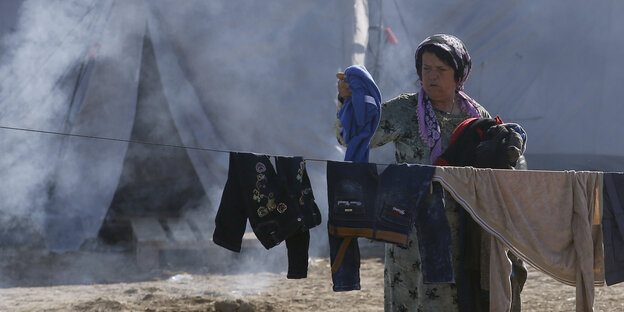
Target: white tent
211, 75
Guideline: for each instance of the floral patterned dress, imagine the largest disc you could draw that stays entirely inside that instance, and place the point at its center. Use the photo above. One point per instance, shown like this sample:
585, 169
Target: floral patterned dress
404, 289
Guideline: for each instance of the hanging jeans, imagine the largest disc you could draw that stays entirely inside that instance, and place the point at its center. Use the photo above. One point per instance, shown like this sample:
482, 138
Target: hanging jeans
384, 207
613, 227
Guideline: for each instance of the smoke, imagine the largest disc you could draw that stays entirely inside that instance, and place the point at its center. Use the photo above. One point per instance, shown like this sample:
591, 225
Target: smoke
259, 71
265, 79
251, 76
38, 63
263, 76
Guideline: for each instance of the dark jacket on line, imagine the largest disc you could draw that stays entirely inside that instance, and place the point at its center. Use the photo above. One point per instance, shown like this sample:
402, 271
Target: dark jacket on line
277, 201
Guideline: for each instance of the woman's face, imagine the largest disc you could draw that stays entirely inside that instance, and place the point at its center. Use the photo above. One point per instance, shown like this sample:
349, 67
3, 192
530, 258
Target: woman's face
438, 78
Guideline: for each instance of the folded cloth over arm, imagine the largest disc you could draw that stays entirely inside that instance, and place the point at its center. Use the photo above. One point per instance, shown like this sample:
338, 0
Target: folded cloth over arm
549, 219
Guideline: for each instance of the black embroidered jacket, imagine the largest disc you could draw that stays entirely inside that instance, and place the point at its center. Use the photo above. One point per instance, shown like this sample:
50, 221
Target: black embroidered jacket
277, 201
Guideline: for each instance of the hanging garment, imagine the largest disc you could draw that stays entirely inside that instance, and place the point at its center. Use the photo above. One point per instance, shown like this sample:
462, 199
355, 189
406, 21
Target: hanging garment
279, 205
356, 194
483, 143
549, 219
385, 207
360, 113
613, 227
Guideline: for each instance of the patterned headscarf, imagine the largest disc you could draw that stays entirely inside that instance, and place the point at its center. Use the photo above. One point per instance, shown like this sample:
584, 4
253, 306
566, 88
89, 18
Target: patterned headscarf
427, 122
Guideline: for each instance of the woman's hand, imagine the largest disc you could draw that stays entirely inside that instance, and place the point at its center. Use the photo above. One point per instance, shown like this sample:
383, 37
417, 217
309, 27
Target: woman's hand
343, 86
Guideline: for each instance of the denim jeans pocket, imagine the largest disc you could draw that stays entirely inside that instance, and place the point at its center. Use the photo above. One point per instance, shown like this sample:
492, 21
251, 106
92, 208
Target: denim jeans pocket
348, 202
347, 209
396, 209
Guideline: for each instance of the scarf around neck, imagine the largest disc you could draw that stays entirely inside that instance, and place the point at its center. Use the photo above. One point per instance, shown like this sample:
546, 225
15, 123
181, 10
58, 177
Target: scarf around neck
428, 125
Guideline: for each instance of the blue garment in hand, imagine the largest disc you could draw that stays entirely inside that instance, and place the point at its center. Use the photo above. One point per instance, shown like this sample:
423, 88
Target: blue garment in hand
360, 113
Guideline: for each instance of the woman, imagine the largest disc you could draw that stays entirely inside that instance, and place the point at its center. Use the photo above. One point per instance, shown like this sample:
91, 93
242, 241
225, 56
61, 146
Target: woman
420, 125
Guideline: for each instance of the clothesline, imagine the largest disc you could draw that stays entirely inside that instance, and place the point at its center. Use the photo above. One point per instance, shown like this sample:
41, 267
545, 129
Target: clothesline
205, 149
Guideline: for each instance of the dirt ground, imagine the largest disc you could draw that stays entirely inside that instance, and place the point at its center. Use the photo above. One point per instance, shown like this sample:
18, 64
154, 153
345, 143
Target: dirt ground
165, 290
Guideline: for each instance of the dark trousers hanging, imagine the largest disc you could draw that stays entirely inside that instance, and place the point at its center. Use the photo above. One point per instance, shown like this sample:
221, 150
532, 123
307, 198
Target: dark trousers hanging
384, 207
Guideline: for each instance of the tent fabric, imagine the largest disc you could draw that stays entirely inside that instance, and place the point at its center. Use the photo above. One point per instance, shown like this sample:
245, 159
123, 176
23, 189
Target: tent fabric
191, 121
42, 73
548, 66
79, 202
227, 72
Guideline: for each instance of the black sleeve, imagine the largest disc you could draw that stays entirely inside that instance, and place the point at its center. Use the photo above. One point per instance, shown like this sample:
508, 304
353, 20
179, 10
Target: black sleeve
231, 218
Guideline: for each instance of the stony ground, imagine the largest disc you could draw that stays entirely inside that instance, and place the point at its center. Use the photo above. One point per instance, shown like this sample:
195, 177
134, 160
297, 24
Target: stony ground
164, 290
